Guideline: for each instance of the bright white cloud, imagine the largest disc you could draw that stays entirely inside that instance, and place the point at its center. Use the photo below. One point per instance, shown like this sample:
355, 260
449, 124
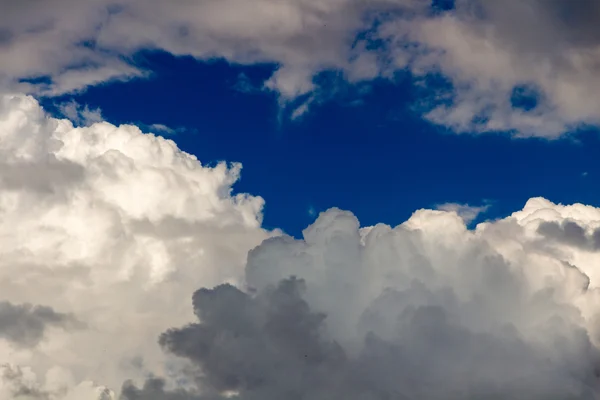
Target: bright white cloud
489, 52
110, 231
115, 229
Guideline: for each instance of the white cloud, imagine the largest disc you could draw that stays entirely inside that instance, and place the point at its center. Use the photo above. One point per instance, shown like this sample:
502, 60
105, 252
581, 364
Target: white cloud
428, 309
81, 43
116, 228
113, 229
467, 212
486, 50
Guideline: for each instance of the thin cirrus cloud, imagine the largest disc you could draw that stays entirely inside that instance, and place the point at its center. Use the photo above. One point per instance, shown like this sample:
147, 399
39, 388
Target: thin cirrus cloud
529, 68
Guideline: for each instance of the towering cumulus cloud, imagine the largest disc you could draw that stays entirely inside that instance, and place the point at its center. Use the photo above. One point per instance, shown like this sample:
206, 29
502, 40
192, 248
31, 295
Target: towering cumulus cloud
426, 310
105, 233
524, 66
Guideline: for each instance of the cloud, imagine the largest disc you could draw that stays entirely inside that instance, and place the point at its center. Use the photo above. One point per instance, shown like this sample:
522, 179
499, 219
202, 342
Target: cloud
78, 44
567, 231
116, 229
80, 115
21, 383
161, 128
25, 324
466, 212
113, 228
428, 309
525, 67
571, 233
17, 384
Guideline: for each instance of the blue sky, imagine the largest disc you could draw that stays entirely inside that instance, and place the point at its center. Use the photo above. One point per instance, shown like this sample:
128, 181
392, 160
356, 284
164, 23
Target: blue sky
364, 149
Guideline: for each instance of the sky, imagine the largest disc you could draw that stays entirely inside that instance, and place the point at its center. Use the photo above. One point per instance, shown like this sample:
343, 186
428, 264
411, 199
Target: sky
299, 199
365, 150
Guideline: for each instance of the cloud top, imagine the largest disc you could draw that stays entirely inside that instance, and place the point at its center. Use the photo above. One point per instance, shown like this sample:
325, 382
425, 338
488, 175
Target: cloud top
428, 309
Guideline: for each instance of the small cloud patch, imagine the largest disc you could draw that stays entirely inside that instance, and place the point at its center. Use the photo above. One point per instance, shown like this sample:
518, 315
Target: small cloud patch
467, 212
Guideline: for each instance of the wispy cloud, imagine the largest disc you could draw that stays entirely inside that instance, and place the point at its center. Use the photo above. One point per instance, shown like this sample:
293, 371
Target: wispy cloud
164, 129
79, 114
467, 212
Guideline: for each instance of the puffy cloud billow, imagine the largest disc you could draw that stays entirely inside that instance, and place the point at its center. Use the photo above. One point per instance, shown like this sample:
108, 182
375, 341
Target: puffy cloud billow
528, 67
129, 270
104, 233
425, 310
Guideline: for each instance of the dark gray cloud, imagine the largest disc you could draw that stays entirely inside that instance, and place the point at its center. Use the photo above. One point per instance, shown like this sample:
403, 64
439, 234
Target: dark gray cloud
6, 37
26, 324
570, 233
273, 346
266, 346
543, 26
269, 346
426, 310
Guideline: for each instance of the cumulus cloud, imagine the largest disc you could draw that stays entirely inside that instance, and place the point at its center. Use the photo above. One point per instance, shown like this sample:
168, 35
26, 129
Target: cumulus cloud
428, 309
77, 44
114, 229
526, 67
